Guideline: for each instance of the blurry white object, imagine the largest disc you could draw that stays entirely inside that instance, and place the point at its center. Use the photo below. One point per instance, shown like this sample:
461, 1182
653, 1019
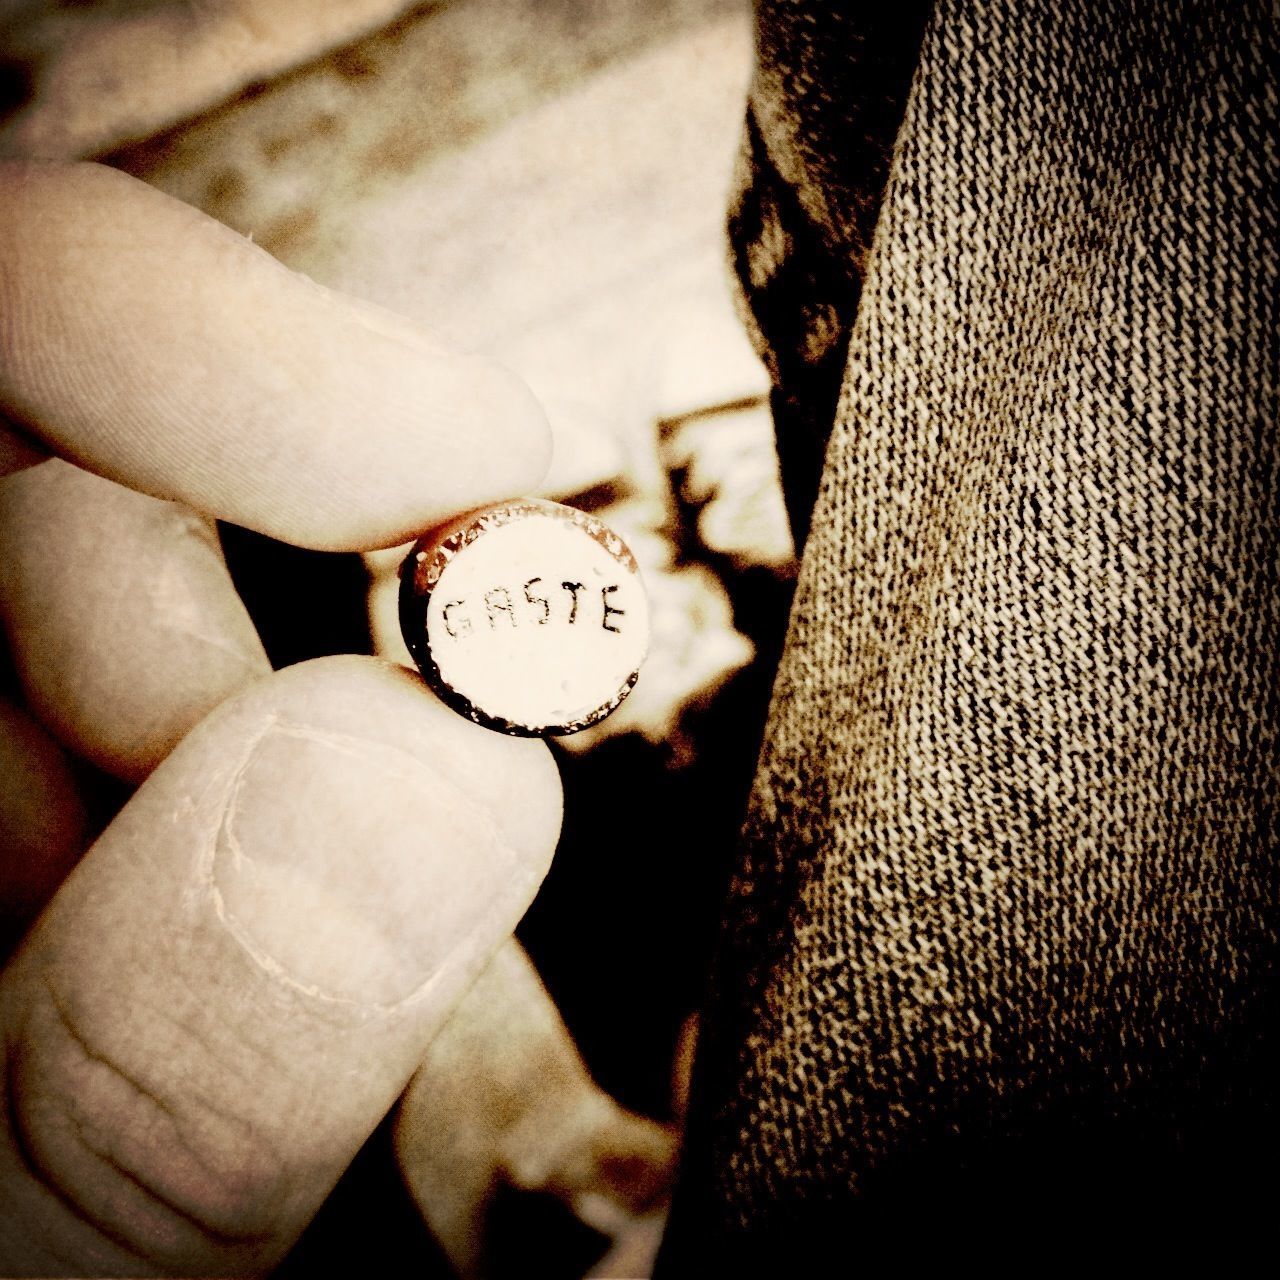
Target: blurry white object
729, 469
503, 1100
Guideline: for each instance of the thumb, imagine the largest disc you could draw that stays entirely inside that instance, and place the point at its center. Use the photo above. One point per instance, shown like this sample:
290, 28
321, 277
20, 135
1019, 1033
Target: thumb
237, 982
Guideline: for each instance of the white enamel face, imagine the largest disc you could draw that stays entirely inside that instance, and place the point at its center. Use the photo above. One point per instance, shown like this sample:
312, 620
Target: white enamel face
536, 623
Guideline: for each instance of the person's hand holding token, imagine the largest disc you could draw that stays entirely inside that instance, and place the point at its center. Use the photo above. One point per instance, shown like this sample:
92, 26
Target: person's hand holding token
240, 975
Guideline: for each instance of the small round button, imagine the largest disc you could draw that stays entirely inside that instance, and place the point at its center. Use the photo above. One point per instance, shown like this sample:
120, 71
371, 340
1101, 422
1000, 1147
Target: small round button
528, 617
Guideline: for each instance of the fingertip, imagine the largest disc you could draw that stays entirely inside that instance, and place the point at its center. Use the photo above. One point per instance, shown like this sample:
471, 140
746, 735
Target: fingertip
451, 431
312, 878
521, 455
514, 779
161, 350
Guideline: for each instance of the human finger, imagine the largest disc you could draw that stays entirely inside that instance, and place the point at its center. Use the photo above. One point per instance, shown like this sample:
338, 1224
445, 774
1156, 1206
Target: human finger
123, 623
149, 343
504, 1101
242, 973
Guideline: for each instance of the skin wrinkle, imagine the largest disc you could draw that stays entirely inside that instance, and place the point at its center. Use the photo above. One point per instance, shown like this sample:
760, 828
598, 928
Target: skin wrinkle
59, 1006
67, 1265
212, 1228
223, 839
228, 1068
223, 1235
229, 1123
34, 1168
170, 1221
265, 1051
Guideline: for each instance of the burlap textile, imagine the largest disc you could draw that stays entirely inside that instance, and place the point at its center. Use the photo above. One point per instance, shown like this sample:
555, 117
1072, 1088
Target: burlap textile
1003, 932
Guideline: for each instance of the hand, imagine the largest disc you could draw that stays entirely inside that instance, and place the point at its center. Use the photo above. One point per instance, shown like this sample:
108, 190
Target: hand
243, 971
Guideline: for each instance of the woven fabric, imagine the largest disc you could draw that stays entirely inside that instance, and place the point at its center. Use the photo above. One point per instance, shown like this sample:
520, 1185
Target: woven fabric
827, 100
1005, 917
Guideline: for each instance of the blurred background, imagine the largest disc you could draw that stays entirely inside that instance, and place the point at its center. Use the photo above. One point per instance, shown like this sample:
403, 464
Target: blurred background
544, 181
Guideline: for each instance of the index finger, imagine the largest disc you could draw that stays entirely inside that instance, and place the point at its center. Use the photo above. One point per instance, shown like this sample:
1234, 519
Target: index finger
155, 346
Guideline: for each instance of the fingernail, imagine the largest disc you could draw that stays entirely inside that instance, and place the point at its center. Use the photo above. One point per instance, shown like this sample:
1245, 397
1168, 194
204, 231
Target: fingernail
351, 870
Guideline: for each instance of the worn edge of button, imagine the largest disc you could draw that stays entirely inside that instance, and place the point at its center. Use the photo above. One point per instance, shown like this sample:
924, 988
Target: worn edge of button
422, 569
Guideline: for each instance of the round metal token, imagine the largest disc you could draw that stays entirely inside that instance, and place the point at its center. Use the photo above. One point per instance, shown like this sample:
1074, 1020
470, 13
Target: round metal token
528, 617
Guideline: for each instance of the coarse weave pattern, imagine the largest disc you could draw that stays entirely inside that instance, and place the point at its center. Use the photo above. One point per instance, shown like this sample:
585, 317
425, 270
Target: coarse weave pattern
1009, 881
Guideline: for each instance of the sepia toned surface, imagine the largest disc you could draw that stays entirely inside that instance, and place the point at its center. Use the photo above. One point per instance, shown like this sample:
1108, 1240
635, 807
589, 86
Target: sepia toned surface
545, 184
997, 976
